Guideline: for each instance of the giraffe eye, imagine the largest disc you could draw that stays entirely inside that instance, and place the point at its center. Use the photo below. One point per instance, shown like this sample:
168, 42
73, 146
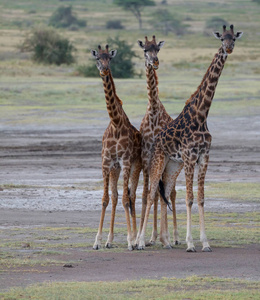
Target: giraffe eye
234, 39
222, 39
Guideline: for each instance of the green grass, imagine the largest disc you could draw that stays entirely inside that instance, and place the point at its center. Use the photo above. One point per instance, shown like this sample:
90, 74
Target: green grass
238, 191
39, 95
189, 288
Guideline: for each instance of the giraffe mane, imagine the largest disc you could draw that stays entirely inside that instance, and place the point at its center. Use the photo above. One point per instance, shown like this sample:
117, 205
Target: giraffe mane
114, 89
202, 81
156, 78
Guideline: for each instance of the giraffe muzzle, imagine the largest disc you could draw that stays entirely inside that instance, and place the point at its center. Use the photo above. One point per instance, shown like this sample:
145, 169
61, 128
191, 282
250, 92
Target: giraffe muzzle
156, 65
104, 73
229, 51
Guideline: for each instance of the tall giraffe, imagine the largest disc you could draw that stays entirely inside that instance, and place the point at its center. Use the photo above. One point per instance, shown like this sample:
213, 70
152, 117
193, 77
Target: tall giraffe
154, 120
186, 142
121, 147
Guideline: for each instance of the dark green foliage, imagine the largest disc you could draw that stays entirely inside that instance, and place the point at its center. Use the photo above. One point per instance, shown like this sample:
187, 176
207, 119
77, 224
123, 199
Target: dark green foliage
63, 17
114, 24
167, 22
214, 24
48, 47
121, 66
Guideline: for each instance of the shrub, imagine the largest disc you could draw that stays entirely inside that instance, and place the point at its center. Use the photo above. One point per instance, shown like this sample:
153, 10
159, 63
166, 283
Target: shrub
167, 22
214, 24
114, 24
121, 66
48, 47
63, 18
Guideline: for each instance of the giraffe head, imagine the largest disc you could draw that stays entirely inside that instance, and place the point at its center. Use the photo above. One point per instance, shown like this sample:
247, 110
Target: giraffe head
151, 50
103, 58
228, 38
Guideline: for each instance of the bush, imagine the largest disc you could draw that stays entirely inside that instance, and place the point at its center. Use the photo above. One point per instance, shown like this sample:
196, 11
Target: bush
121, 66
167, 22
114, 24
63, 18
48, 47
214, 24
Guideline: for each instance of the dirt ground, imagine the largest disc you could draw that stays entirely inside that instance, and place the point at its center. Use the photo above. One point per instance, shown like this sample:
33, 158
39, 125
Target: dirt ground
52, 177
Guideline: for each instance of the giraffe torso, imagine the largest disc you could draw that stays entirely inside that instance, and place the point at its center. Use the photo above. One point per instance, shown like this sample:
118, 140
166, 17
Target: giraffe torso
185, 137
121, 143
188, 136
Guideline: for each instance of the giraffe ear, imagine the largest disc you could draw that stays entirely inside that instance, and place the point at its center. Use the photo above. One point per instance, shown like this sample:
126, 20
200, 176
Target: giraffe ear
160, 44
217, 35
239, 34
94, 53
112, 53
140, 43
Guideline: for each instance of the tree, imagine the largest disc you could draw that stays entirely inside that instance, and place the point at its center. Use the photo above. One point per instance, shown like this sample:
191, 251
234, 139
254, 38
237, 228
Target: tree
63, 17
167, 22
135, 6
121, 66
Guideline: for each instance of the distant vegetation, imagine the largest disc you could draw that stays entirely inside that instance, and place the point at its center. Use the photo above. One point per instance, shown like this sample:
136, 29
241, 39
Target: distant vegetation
63, 17
48, 47
214, 24
114, 24
167, 22
122, 65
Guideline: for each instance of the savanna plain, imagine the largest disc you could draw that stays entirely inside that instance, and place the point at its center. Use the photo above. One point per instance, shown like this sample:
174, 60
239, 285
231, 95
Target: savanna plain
52, 121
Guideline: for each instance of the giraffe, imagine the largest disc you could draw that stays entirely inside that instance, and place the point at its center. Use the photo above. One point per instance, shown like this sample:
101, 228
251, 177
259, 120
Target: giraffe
121, 147
185, 142
154, 120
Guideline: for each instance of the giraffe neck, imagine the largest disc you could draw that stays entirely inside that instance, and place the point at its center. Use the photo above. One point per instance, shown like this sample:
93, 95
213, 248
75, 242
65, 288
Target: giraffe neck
201, 100
114, 104
152, 88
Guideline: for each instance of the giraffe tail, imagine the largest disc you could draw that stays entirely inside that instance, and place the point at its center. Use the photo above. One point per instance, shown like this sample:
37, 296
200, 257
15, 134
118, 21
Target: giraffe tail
162, 192
130, 203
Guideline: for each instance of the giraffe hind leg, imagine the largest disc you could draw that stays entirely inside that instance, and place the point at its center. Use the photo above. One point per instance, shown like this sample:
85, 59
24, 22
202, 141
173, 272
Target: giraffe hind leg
134, 179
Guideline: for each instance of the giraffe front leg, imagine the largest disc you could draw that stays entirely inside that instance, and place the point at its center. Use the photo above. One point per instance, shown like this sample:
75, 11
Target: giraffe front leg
164, 233
175, 227
189, 174
144, 203
141, 243
114, 175
201, 180
105, 201
157, 169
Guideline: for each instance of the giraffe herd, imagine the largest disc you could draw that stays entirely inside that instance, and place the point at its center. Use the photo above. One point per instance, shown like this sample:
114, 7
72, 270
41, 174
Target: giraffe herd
161, 148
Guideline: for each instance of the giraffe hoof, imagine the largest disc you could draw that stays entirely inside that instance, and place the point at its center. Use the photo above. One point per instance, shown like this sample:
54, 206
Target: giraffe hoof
140, 247
131, 248
108, 245
167, 246
207, 249
177, 243
150, 243
96, 247
192, 249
